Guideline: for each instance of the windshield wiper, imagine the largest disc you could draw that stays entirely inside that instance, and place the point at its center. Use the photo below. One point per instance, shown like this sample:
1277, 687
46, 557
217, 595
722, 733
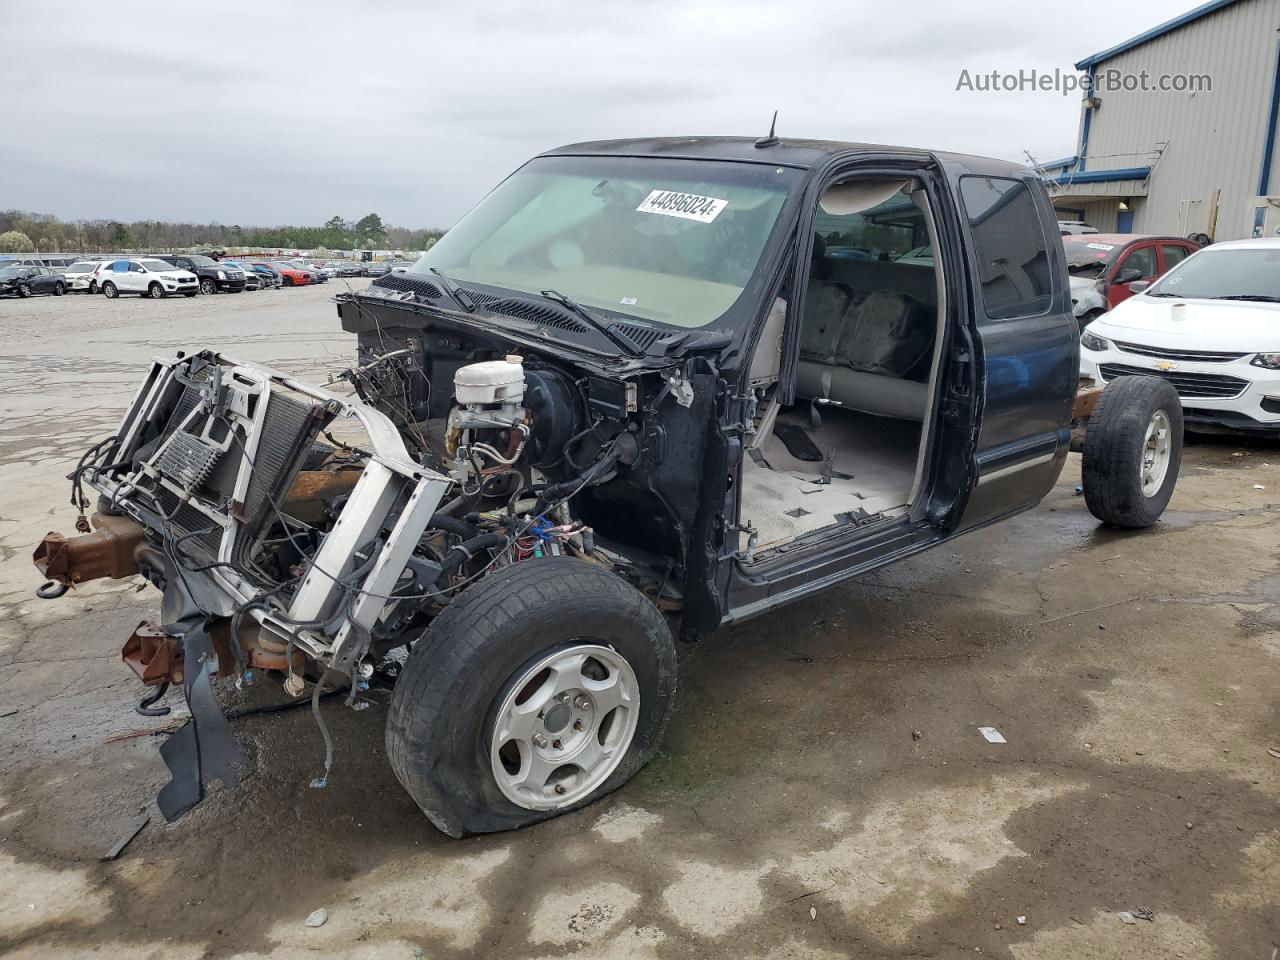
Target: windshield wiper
616, 337
455, 292
1258, 297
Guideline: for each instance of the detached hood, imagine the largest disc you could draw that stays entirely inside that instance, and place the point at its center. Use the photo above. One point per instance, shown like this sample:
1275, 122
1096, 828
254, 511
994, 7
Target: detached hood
1221, 325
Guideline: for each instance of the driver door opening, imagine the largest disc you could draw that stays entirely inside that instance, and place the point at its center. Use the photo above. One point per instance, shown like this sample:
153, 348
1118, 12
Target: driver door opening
850, 450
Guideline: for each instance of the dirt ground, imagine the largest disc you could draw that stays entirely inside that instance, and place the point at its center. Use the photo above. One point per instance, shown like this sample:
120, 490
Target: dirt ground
824, 791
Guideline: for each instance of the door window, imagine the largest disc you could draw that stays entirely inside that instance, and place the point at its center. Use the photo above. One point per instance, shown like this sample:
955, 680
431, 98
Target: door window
1173, 255
1013, 259
1142, 259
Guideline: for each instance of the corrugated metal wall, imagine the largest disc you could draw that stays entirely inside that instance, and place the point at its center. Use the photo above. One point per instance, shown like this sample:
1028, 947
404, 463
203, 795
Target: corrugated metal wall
1215, 139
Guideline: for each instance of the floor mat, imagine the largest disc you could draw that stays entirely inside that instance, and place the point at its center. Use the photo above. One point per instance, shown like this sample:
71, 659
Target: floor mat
797, 442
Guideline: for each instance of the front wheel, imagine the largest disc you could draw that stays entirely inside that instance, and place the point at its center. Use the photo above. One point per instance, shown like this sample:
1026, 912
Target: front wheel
59, 288
93, 286
538, 690
1132, 451
155, 291
208, 287
109, 290
24, 290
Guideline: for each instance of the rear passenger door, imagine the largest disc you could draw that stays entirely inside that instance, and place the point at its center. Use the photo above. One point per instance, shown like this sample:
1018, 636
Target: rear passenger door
1028, 340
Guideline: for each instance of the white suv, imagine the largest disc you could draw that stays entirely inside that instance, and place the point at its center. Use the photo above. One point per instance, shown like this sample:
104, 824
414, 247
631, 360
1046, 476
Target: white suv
146, 277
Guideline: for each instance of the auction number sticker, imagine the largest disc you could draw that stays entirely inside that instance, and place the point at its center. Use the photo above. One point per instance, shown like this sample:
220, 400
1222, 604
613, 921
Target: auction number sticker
688, 206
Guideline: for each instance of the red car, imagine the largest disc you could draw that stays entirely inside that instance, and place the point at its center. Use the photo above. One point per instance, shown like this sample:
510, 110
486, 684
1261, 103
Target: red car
1102, 265
291, 275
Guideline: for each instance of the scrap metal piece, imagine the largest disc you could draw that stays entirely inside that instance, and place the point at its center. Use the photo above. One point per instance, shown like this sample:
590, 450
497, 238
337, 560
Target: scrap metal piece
134, 828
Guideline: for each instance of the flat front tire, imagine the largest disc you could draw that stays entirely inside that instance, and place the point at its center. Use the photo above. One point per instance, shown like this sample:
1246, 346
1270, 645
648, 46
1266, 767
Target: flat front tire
538, 690
1132, 451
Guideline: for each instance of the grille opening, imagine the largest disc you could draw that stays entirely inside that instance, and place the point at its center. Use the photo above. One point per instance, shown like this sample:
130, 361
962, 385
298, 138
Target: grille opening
1188, 385
1191, 356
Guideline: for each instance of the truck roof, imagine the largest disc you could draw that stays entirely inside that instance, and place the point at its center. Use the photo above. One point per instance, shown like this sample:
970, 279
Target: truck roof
787, 151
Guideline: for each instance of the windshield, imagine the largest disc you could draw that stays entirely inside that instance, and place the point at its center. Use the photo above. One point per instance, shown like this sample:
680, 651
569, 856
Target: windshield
1089, 258
1239, 273
203, 261
8, 273
157, 266
671, 241
81, 268
284, 266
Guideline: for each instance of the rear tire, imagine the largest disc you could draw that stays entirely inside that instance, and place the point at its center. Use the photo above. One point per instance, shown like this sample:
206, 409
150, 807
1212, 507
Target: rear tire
109, 290
447, 739
1132, 451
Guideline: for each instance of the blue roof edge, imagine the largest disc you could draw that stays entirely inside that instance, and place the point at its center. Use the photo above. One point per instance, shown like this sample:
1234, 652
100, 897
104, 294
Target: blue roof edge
1104, 176
1157, 31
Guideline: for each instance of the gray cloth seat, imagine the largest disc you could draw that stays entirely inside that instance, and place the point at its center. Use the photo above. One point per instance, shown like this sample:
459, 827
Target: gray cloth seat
867, 349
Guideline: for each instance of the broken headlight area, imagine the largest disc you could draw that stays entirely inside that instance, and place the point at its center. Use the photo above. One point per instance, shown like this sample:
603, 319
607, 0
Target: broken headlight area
308, 534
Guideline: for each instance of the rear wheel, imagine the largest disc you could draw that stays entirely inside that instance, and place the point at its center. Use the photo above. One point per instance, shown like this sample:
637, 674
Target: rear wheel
1132, 451
109, 290
155, 291
208, 287
538, 690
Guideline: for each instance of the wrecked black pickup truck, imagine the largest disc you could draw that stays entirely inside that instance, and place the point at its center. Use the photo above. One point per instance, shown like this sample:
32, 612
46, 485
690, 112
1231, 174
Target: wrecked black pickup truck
644, 387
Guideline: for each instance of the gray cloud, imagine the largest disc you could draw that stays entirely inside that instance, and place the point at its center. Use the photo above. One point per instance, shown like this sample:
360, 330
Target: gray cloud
261, 113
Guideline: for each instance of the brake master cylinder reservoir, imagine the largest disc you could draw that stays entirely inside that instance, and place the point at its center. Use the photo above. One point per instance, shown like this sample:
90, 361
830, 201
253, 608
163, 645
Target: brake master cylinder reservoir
494, 386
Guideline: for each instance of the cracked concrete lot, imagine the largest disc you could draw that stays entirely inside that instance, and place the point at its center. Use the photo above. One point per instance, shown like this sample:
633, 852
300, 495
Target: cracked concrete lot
823, 792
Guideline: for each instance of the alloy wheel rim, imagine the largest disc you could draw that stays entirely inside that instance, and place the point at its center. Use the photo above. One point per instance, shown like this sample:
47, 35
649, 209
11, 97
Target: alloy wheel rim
1156, 453
563, 726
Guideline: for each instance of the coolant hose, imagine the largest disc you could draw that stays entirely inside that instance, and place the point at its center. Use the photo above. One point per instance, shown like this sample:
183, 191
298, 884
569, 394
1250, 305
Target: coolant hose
454, 525
468, 549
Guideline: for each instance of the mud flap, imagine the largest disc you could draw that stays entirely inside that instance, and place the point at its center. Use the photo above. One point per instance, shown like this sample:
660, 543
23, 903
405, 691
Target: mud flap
204, 749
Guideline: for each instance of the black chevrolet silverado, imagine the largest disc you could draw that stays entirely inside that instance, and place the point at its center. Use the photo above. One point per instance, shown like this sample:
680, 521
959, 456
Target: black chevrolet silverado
644, 389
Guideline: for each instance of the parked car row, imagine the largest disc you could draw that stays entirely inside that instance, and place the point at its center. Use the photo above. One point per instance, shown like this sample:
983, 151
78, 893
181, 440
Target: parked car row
162, 274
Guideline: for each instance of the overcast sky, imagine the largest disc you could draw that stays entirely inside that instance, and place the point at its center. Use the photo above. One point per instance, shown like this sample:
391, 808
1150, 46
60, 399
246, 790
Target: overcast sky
268, 113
